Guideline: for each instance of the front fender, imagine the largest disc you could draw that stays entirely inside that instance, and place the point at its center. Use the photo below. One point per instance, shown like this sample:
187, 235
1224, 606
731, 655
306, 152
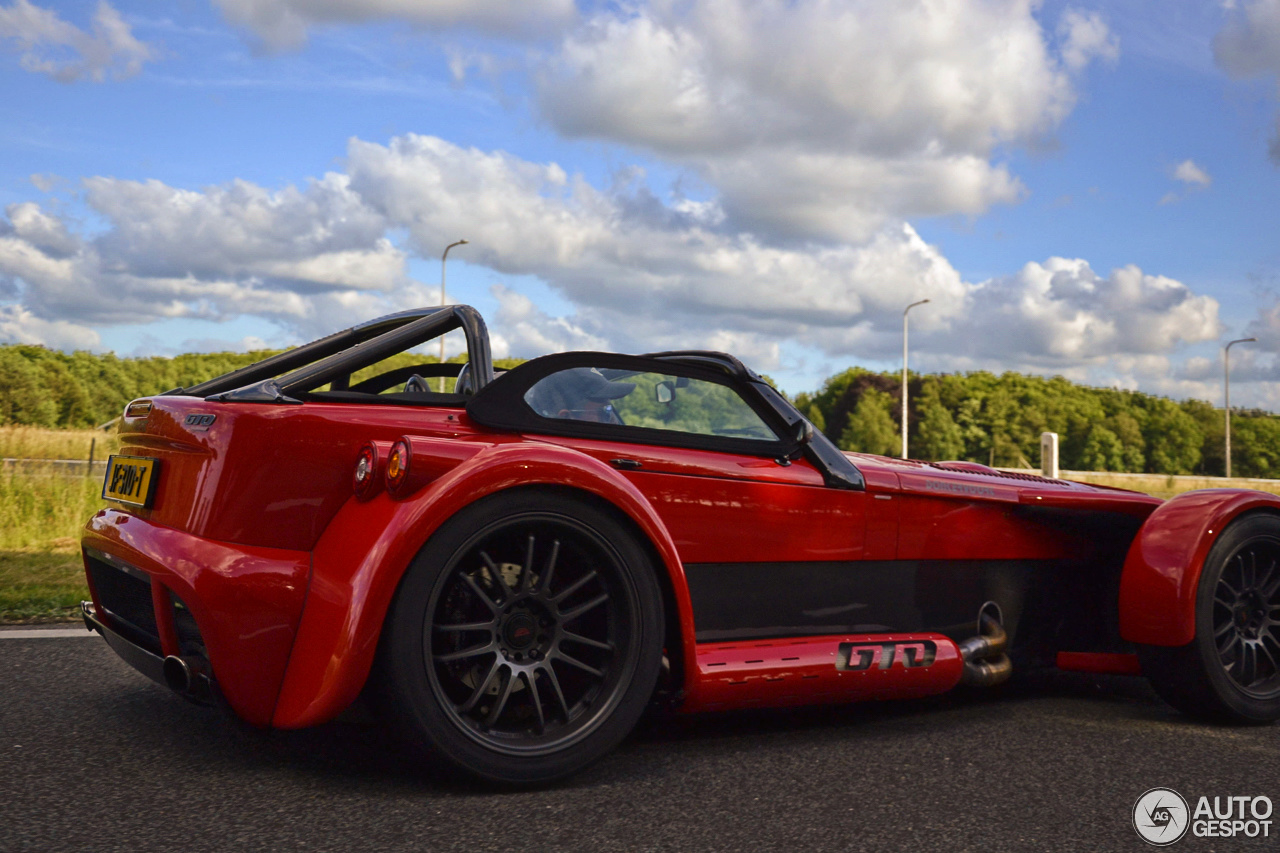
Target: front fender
1162, 569
366, 549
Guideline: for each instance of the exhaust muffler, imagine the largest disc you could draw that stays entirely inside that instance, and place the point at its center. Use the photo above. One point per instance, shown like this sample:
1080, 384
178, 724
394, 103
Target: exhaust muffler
985, 662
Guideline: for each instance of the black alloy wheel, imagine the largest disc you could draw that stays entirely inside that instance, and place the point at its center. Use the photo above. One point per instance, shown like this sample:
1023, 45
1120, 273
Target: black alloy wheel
1231, 670
1246, 618
525, 640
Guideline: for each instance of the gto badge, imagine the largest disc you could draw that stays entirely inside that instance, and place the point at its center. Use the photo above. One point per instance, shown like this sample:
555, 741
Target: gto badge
863, 656
200, 423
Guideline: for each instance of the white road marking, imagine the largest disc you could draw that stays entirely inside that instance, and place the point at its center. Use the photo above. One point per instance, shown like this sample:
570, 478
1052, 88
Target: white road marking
41, 633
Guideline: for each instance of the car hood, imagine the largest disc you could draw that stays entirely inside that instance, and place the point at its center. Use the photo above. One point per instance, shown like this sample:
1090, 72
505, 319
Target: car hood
974, 482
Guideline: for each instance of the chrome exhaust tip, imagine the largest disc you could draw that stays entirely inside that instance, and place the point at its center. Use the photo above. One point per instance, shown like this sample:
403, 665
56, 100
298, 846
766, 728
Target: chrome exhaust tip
188, 676
88, 614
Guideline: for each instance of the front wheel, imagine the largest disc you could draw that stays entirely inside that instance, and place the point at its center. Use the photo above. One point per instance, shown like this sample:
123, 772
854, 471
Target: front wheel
1231, 670
525, 639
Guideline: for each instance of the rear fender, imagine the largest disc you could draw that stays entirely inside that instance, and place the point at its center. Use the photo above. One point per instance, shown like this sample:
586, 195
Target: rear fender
1162, 569
365, 550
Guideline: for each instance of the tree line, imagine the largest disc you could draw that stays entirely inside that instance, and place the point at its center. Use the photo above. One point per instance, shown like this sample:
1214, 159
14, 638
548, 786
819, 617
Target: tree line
996, 420
48, 388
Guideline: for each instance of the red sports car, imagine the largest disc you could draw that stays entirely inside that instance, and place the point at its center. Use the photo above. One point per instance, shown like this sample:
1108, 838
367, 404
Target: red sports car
518, 566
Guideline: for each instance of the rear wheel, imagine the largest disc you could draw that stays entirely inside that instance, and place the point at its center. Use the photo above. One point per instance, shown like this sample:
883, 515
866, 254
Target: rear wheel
525, 639
1231, 670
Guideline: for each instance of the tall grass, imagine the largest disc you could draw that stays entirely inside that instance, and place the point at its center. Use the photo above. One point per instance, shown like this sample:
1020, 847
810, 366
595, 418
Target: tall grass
41, 513
26, 442
44, 510
1165, 485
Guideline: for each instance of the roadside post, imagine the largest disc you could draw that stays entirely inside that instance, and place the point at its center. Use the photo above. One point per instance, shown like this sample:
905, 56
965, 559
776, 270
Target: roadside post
1049, 454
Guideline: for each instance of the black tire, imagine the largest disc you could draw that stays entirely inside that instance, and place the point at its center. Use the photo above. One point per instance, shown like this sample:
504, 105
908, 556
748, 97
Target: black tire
1231, 670
525, 639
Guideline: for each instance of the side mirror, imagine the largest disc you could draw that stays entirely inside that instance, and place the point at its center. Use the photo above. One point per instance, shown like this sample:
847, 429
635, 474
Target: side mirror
664, 392
801, 433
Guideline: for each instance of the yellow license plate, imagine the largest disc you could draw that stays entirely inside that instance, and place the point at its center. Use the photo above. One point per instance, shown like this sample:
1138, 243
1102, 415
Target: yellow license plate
131, 479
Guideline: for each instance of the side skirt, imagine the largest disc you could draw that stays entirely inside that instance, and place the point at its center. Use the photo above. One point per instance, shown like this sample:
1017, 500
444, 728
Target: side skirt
817, 670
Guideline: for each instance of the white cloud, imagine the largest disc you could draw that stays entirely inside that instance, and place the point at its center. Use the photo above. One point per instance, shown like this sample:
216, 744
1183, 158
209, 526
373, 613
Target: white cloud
645, 274
642, 273
842, 115
1086, 38
310, 259
1062, 312
44, 182
1193, 179
527, 330
20, 326
48, 45
1266, 328
283, 24
1249, 42
41, 231
627, 250
1248, 45
321, 237
1189, 173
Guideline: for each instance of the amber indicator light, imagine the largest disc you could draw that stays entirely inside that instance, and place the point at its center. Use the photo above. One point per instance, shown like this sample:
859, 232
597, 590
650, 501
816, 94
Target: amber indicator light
397, 466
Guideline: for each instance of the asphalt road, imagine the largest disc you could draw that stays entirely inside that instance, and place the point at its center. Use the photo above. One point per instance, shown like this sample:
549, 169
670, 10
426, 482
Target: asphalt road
93, 757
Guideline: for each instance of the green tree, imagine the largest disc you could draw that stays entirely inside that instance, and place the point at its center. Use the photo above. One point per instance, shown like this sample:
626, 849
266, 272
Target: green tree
816, 418
24, 399
940, 437
1255, 446
1173, 439
1212, 431
976, 440
871, 428
1102, 450
1132, 444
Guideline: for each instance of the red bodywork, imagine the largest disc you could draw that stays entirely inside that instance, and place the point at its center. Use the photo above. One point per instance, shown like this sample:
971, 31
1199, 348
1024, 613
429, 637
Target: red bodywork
256, 528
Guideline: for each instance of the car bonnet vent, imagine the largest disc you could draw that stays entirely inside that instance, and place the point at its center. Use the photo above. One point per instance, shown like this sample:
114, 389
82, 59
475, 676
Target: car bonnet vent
992, 472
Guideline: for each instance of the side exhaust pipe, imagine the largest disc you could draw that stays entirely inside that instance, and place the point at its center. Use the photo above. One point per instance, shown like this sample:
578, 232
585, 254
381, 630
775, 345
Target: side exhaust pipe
189, 677
985, 661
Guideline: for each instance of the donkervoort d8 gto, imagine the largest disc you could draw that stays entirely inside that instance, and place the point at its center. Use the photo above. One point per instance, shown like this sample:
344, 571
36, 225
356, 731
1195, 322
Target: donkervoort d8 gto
518, 567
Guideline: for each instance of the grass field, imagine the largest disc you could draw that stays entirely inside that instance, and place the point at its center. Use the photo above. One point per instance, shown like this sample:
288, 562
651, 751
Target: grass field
19, 442
42, 511
1163, 485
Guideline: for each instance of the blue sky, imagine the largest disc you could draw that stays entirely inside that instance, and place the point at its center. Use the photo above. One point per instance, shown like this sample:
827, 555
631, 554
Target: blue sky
1087, 189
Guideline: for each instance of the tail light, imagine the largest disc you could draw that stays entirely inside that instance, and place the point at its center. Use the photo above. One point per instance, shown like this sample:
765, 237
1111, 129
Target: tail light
365, 481
398, 468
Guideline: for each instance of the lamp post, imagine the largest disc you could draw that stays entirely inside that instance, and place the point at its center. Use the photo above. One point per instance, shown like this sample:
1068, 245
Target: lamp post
1226, 393
904, 373
444, 258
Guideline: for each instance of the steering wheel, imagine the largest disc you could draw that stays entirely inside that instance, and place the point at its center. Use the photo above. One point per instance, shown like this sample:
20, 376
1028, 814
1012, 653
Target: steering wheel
465, 383
416, 385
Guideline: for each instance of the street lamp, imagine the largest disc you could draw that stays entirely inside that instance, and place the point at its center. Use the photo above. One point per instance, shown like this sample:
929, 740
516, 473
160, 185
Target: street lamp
904, 374
444, 258
1226, 392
